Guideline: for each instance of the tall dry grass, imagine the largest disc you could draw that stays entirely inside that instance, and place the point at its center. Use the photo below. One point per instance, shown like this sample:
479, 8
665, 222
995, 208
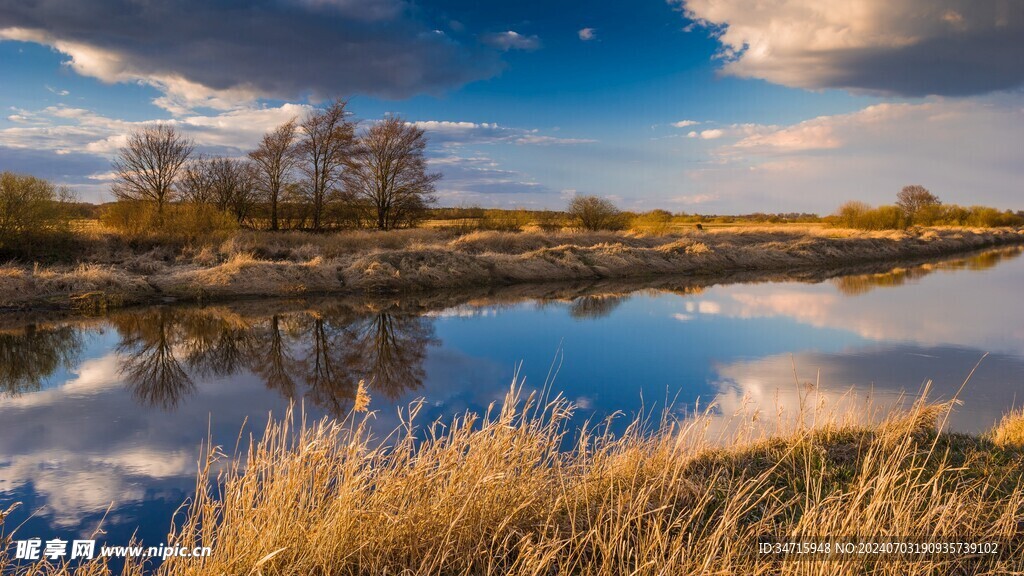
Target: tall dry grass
517, 490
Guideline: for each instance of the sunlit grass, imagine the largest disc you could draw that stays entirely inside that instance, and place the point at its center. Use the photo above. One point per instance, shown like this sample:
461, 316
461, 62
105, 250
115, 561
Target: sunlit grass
518, 490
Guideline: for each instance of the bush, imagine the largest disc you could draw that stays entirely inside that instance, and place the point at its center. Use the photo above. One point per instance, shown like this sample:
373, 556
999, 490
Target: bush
655, 222
860, 215
851, 214
185, 222
592, 213
33, 216
505, 220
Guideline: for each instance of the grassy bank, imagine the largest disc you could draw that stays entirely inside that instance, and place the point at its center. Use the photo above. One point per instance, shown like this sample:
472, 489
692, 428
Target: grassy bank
260, 264
501, 494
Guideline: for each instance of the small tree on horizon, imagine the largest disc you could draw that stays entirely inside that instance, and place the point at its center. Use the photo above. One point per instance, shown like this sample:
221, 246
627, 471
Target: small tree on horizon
593, 213
915, 198
148, 165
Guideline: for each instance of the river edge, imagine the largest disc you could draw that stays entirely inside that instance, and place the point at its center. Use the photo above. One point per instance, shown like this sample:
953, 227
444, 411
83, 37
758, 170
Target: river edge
501, 265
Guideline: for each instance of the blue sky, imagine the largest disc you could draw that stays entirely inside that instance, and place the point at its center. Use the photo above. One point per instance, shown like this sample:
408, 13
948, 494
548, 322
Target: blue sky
690, 105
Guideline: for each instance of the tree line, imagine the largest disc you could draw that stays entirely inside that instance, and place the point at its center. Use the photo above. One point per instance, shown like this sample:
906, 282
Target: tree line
315, 173
917, 206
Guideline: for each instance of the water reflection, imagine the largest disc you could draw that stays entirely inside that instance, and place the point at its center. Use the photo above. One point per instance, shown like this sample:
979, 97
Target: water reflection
164, 351
29, 355
113, 409
856, 284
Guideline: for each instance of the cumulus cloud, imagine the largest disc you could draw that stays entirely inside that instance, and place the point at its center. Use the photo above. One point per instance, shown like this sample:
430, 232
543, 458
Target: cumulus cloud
511, 40
964, 150
913, 47
711, 134
685, 123
68, 130
219, 53
587, 34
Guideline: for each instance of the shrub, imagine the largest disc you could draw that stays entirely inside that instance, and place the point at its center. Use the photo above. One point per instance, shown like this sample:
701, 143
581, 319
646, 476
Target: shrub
505, 220
592, 213
655, 222
851, 214
184, 222
33, 215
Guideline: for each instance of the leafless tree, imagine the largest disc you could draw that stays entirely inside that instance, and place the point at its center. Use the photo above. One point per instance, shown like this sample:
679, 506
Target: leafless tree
388, 171
232, 187
273, 160
327, 140
912, 199
195, 184
225, 183
148, 165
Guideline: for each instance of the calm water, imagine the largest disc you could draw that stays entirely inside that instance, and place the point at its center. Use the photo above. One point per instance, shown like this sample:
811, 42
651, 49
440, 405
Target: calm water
104, 417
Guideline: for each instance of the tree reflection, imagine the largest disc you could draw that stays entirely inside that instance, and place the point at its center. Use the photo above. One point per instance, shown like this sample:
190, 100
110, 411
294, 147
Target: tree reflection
388, 351
151, 369
30, 355
854, 285
593, 307
326, 352
218, 343
331, 383
275, 363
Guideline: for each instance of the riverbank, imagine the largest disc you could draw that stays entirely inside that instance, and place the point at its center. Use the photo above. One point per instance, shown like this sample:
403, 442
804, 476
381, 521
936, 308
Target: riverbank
251, 265
499, 494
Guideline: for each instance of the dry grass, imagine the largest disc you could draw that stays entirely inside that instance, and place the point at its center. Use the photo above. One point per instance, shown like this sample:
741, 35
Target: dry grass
284, 264
1010, 430
516, 491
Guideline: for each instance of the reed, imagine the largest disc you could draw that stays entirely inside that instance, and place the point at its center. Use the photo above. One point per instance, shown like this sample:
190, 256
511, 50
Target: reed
519, 490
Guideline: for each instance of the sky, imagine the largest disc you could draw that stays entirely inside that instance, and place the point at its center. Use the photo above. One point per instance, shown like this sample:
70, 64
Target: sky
708, 106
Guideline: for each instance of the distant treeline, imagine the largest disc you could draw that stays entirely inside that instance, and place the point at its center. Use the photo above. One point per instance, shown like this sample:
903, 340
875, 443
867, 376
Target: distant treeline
917, 206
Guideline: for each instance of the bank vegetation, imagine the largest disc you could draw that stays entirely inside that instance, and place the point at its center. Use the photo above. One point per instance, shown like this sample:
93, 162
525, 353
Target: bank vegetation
518, 490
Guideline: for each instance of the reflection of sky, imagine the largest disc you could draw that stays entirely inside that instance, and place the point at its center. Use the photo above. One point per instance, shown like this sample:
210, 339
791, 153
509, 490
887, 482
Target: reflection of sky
82, 443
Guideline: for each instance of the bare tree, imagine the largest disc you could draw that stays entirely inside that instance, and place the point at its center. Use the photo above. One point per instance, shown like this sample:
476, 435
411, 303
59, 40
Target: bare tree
593, 213
195, 184
327, 141
274, 159
148, 165
912, 199
232, 187
388, 171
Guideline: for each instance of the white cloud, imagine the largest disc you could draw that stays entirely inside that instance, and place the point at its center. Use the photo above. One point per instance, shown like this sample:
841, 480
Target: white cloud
685, 123
711, 134
964, 150
511, 40
911, 47
67, 129
53, 90
180, 95
587, 34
